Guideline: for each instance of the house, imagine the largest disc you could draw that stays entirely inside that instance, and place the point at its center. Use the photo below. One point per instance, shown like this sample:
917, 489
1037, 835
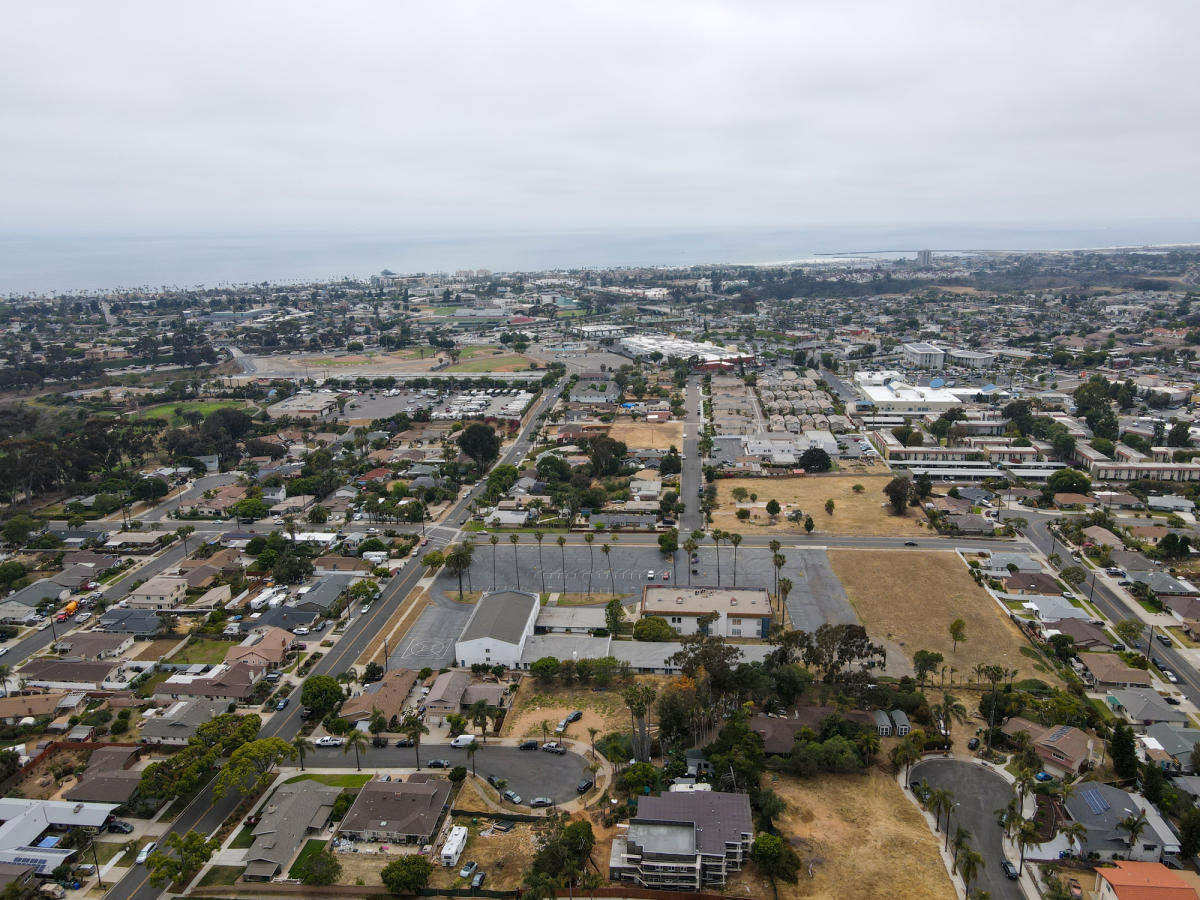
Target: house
883, 723
263, 648
1166, 587
1126, 880
970, 523
1102, 537
26, 821
900, 719
398, 812
284, 617
34, 595
15, 708
740, 612
1032, 583
388, 695
1107, 670
1176, 742
1062, 748
684, 841
75, 577
497, 629
108, 777
138, 622
73, 675
1066, 499
159, 592
1101, 808
327, 565
135, 541
19, 874
294, 812
1053, 608
177, 724
232, 683
1001, 565
1085, 635
1170, 503
1142, 707
323, 593
94, 645
454, 690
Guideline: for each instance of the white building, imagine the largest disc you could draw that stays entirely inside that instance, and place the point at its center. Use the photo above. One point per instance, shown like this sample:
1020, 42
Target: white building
970, 359
497, 630
888, 393
924, 355
740, 612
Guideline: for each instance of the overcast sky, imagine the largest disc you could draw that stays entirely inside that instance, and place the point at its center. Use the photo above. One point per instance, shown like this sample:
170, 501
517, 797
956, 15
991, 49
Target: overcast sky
261, 116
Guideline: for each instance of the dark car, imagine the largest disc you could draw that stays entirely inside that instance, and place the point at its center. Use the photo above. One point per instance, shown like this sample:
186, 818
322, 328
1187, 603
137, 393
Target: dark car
305, 712
527, 745
494, 781
1173, 701
575, 716
1156, 662
405, 742
378, 741
1163, 639
1009, 870
584, 786
477, 881
539, 802
910, 543
973, 744
282, 704
439, 764
118, 827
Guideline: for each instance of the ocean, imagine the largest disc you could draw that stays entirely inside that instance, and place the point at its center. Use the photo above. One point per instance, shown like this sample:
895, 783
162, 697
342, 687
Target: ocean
67, 263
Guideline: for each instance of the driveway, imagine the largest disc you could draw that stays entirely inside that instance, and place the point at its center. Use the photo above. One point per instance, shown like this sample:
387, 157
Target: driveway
979, 792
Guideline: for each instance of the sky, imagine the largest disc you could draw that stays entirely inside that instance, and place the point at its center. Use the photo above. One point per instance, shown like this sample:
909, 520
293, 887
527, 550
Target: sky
219, 117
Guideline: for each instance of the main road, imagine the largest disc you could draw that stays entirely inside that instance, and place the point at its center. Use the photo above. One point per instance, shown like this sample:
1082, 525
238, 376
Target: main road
205, 815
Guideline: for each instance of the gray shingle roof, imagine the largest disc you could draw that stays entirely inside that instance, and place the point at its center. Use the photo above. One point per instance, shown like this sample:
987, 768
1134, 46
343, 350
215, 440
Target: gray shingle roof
501, 615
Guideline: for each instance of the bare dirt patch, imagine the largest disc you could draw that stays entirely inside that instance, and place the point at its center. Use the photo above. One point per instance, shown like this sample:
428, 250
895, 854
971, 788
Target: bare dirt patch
504, 856
153, 649
52, 775
910, 597
535, 704
647, 435
865, 512
863, 838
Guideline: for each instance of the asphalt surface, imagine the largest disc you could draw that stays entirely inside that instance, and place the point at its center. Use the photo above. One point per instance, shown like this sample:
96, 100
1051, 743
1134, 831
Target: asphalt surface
692, 477
978, 793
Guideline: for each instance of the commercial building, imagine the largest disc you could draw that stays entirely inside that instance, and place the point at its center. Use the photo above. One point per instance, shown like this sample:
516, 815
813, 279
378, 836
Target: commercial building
923, 355
496, 632
740, 612
888, 393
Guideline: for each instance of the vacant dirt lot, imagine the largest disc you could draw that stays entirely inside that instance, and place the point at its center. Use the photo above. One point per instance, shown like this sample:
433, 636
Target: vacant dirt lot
648, 435
535, 704
863, 838
505, 857
911, 597
867, 512
153, 649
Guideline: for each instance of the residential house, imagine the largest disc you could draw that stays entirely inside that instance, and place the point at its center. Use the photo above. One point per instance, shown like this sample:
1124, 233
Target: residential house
1101, 808
177, 724
882, 722
1086, 635
455, 690
900, 719
73, 675
294, 812
138, 622
1032, 583
159, 592
1107, 670
15, 708
388, 695
263, 648
323, 593
1126, 880
1166, 587
1142, 707
233, 683
398, 812
328, 565
496, 631
108, 777
1174, 742
94, 645
684, 841
1001, 565
27, 820
1062, 748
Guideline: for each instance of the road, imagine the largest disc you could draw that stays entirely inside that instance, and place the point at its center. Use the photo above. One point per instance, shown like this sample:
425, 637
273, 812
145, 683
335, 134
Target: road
978, 793
205, 816
692, 476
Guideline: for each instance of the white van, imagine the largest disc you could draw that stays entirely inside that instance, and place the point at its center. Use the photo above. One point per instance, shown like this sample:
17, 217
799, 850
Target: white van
463, 740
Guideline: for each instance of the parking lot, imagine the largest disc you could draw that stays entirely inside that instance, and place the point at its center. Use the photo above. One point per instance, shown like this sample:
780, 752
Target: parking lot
382, 404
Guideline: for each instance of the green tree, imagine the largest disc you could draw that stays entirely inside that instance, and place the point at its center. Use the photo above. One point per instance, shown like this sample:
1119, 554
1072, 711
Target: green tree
191, 851
613, 614
480, 442
250, 766
356, 741
773, 508
406, 875
809, 524
321, 694
302, 745
958, 632
319, 868
1123, 752
829, 507
1131, 632
898, 490
654, 628
250, 508
775, 858
413, 728
458, 562
924, 662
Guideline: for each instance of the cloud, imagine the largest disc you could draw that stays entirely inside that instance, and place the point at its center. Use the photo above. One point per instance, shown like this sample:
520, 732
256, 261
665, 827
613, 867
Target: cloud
134, 116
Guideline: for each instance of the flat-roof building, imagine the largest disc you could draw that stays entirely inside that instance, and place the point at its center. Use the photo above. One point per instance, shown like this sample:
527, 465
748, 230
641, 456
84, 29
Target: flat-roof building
740, 612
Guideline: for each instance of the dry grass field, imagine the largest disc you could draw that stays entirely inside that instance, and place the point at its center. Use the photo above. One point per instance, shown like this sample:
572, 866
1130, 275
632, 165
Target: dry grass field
536, 703
647, 435
862, 513
910, 597
864, 838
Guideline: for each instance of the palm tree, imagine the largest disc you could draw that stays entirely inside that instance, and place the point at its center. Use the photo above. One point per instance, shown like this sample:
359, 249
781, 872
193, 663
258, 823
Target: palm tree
183, 533
588, 539
357, 740
493, 540
1075, 833
962, 840
947, 712
777, 560
1025, 837
412, 728
478, 714
5, 674
1134, 826
592, 732
1009, 818
612, 584
716, 539
905, 754
545, 730
690, 546
562, 549
472, 749
941, 800
301, 745
785, 588
735, 539
513, 539
969, 864
1023, 785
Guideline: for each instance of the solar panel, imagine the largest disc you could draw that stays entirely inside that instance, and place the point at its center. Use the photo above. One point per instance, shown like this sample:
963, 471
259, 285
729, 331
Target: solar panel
1096, 803
1059, 733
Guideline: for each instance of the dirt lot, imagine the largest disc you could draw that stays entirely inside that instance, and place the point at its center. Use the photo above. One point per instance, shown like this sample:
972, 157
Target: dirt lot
153, 649
853, 513
859, 832
604, 710
647, 435
911, 597
505, 857
41, 783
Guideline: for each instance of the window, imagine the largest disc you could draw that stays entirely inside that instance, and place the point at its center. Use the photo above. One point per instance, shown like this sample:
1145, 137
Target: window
676, 620
735, 621
736, 632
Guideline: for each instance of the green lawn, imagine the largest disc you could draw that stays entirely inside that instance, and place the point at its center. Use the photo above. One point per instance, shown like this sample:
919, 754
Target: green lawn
147, 687
204, 407
243, 839
222, 875
106, 850
312, 848
202, 651
354, 780
507, 362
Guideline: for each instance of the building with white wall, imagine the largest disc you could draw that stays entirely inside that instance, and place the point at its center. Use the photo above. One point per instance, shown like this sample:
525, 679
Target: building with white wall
923, 355
740, 612
497, 630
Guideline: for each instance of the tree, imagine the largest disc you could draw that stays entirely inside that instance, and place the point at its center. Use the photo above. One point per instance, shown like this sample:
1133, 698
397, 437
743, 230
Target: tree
458, 562
898, 490
958, 632
17, 529
250, 508
613, 613
606, 549
924, 662
773, 508
413, 728
1189, 833
1130, 631
829, 507
654, 628
356, 741
809, 524
969, 864
192, 851
1123, 752
1068, 481
183, 532
321, 694
480, 442
1073, 575
1179, 435
814, 459
250, 766
1134, 826
472, 749
319, 868
775, 858
302, 745
562, 544
515, 539
406, 875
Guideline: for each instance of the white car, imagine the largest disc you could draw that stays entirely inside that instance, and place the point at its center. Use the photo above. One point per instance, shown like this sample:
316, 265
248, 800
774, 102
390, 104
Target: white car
144, 852
329, 741
366, 608
3, 650
300, 629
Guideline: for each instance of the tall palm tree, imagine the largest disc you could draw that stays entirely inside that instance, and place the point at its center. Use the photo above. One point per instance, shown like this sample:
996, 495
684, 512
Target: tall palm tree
777, 560
1076, 834
785, 588
949, 711
962, 840
690, 546
1134, 826
905, 754
301, 745
606, 549
545, 730
775, 546
358, 741
716, 539
478, 714
5, 674
513, 539
941, 800
539, 535
1026, 836
969, 865
588, 539
735, 539
592, 732
493, 540
412, 728
562, 549
1009, 818
472, 749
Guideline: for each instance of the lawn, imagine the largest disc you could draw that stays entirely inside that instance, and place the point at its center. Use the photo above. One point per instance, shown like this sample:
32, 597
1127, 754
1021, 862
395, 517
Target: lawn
582, 599
203, 407
862, 836
243, 839
202, 651
507, 362
910, 597
861, 513
225, 875
648, 435
348, 780
311, 848
106, 850
146, 688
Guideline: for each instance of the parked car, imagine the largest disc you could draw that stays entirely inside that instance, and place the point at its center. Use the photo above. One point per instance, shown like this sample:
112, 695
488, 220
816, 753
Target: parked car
584, 786
973, 744
527, 745
272, 677
1163, 639
281, 705
329, 741
463, 740
379, 741
538, 802
468, 869
575, 716
1170, 676
554, 747
116, 826
439, 764
477, 881
305, 712
494, 781
512, 797
144, 852
405, 742
300, 630
1044, 776
561, 726
1009, 870
1172, 701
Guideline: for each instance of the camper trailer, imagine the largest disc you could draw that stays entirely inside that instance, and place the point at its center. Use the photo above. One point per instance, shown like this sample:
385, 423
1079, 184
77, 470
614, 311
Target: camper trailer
452, 850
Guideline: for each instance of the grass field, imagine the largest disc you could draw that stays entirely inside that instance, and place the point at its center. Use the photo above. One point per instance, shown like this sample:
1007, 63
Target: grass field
648, 435
862, 836
349, 780
202, 651
222, 875
867, 512
243, 839
505, 362
910, 597
166, 411
155, 649
311, 848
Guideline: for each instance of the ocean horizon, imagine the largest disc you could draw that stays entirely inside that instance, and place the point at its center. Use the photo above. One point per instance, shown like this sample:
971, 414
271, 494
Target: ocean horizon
49, 264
